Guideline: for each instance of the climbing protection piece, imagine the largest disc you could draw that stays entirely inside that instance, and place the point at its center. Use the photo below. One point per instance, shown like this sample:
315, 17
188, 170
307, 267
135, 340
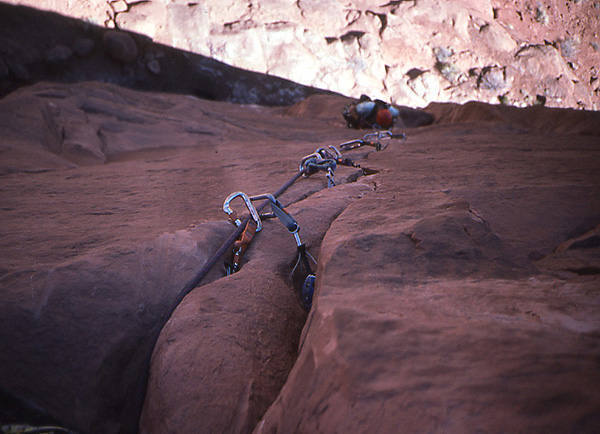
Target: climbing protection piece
322, 159
302, 275
315, 162
253, 226
332, 153
232, 214
379, 140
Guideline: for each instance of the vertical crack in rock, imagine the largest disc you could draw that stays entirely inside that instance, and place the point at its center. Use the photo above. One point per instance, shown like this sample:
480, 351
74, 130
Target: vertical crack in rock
352, 16
382, 19
255, 320
118, 7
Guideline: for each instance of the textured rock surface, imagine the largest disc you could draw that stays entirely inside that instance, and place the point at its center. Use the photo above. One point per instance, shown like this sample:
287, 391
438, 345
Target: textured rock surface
457, 286
120, 46
548, 48
99, 184
462, 295
241, 332
46, 41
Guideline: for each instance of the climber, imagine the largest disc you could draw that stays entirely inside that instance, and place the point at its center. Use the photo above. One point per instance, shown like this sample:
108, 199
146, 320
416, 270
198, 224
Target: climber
367, 113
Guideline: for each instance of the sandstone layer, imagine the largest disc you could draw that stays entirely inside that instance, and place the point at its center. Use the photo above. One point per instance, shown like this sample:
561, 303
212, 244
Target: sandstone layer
457, 280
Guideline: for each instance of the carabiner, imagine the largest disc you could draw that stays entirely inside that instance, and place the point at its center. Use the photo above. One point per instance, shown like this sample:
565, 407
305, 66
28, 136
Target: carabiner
331, 153
232, 214
311, 158
352, 144
280, 212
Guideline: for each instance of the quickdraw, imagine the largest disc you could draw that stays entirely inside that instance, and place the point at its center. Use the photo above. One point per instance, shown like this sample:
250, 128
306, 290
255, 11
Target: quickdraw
372, 139
332, 153
302, 272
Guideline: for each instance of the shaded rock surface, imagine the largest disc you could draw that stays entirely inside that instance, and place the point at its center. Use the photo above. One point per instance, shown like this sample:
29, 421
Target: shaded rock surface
120, 46
46, 42
457, 286
548, 48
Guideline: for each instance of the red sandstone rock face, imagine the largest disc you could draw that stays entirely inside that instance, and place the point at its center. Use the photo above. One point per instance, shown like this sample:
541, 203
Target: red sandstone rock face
457, 286
521, 52
93, 265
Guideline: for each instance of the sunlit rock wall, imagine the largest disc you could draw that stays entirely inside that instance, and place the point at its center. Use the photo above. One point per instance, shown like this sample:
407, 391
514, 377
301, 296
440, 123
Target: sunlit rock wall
412, 52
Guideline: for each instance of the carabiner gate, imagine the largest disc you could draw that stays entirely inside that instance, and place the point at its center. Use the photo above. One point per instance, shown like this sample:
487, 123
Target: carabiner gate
232, 214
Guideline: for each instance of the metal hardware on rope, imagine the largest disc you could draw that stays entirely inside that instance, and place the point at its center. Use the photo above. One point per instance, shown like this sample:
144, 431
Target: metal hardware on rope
277, 210
232, 214
332, 153
372, 139
314, 162
194, 281
302, 271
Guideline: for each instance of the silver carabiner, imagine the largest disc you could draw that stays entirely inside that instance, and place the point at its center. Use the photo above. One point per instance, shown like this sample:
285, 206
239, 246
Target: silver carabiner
352, 144
227, 209
326, 153
379, 135
305, 160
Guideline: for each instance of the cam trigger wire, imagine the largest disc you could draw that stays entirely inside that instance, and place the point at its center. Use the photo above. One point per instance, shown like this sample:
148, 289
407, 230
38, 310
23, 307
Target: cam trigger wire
302, 275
